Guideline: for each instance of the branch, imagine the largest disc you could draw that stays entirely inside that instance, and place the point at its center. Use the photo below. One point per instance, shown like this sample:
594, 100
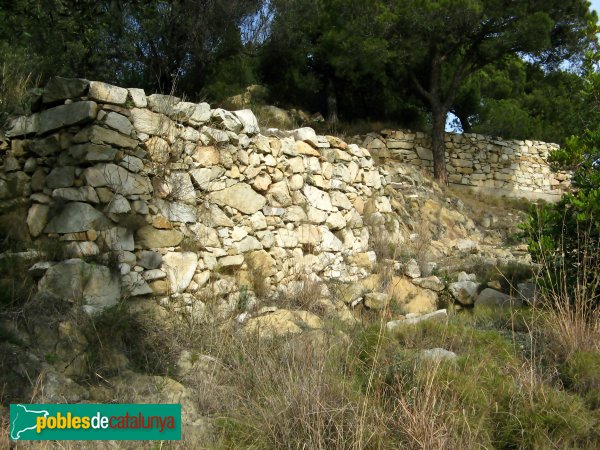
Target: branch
420, 88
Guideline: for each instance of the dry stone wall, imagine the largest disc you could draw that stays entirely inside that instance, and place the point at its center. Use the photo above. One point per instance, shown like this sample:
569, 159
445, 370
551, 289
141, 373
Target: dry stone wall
494, 165
184, 194
152, 195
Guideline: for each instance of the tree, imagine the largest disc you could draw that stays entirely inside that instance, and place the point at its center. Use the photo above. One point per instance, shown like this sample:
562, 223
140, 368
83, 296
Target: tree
175, 46
333, 56
565, 237
444, 42
516, 99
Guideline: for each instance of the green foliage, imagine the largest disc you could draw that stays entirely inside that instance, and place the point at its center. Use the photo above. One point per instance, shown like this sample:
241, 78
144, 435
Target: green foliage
566, 237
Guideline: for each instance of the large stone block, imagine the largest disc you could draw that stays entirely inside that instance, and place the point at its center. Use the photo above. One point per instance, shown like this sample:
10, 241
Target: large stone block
66, 115
100, 135
90, 285
248, 120
107, 93
146, 121
241, 197
59, 88
149, 237
118, 179
76, 217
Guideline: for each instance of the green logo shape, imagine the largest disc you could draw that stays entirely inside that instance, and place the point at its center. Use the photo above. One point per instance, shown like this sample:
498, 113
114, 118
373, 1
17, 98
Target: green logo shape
93, 422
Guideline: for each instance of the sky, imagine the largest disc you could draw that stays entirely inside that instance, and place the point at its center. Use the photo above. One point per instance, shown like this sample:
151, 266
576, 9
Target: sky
596, 6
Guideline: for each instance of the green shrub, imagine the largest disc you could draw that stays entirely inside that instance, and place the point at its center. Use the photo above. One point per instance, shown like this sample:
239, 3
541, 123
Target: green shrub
565, 237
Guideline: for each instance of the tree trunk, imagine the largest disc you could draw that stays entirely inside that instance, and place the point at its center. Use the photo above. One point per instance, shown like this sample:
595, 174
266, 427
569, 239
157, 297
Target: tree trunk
438, 146
332, 105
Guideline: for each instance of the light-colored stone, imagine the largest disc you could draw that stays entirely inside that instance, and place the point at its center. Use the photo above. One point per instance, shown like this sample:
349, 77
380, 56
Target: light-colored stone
411, 269
159, 150
162, 103
317, 198
411, 298
180, 268
282, 322
227, 120
205, 236
306, 134
107, 93
37, 218
99, 135
279, 195
377, 300
146, 121
329, 241
465, 292
438, 354
134, 285
432, 283
149, 237
396, 325
206, 156
138, 96
241, 197
118, 179
247, 244
176, 211
262, 182
335, 221
75, 281
248, 121
231, 261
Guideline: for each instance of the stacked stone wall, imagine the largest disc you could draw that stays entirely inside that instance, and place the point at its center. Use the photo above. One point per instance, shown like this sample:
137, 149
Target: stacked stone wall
152, 195
504, 167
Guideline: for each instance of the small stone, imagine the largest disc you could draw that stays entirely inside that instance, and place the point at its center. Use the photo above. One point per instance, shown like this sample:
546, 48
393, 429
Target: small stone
411, 269
377, 300
438, 354
61, 177
149, 237
149, 259
465, 292
180, 268
138, 96
37, 218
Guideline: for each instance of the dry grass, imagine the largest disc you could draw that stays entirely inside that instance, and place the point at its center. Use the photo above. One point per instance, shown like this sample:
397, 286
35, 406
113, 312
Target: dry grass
571, 306
15, 84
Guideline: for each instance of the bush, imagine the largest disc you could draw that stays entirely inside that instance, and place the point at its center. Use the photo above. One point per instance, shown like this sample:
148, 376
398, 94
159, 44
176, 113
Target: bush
565, 238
